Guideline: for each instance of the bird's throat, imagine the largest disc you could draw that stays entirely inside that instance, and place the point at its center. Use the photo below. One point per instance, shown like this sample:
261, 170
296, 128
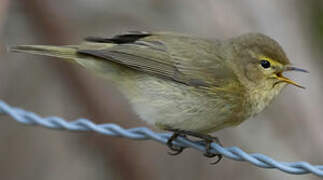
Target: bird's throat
259, 98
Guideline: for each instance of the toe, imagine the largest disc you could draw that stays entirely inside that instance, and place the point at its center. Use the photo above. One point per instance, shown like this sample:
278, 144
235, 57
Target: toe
219, 156
176, 150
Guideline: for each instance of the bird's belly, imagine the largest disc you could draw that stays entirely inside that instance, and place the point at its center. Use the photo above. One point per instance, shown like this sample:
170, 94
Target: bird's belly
169, 104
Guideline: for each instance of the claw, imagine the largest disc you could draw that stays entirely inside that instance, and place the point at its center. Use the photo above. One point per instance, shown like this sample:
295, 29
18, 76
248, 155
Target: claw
177, 150
208, 154
205, 139
219, 156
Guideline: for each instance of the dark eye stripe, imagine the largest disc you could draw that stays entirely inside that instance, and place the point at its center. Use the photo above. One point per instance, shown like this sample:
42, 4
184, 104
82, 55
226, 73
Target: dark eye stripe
265, 64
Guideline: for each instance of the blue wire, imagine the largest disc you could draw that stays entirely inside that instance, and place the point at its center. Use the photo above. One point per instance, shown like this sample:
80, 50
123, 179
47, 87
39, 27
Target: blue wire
143, 133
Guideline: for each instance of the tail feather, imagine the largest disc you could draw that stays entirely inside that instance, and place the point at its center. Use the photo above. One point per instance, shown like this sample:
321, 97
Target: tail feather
65, 52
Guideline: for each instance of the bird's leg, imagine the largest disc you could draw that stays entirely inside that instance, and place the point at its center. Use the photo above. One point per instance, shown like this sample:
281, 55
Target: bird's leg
206, 139
177, 150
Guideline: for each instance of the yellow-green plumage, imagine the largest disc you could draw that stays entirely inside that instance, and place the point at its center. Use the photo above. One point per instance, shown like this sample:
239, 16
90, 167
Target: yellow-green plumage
178, 81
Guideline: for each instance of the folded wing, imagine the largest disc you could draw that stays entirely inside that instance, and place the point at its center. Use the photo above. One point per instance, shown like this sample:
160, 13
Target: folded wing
176, 57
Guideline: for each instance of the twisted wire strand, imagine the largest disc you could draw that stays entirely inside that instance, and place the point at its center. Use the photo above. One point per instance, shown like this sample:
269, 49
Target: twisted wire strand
143, 133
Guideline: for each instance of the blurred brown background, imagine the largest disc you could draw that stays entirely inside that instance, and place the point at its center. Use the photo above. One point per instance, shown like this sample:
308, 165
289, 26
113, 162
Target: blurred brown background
289, 130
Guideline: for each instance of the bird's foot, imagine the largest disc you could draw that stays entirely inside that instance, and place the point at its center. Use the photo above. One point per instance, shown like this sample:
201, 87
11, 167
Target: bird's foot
208, 152
176, 149
205, 139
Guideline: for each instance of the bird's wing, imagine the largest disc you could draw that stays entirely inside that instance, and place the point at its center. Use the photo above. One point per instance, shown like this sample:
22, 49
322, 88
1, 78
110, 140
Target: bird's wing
177, 57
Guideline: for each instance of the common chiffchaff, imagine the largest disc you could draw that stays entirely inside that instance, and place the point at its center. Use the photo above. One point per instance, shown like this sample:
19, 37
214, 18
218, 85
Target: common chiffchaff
183, 83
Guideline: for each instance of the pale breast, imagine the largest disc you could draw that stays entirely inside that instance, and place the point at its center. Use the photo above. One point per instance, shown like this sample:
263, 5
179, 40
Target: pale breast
169, 104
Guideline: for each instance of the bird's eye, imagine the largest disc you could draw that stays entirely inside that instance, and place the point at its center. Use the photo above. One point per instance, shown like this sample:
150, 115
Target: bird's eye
265, 64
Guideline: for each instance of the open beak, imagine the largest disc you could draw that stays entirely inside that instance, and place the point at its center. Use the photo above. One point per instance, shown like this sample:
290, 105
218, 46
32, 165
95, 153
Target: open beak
281, 78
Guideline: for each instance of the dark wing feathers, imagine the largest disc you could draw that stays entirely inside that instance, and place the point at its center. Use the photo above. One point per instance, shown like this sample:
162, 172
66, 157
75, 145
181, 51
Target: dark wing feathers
128, 37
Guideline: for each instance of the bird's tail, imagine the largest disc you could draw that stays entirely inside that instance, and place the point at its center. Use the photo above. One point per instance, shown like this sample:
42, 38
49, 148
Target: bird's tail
68, 53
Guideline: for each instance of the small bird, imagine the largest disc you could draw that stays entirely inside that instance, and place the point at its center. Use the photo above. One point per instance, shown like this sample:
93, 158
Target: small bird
181, 83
